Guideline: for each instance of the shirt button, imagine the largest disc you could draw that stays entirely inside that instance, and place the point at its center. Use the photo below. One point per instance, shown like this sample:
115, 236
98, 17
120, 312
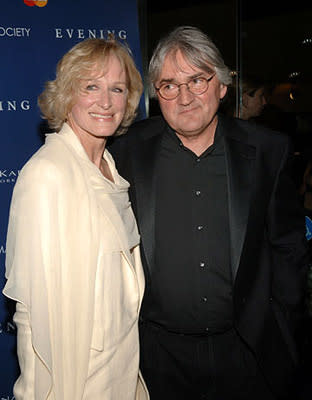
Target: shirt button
198, 192
207, 329
198, 160
202, 264
204, 299
200, 227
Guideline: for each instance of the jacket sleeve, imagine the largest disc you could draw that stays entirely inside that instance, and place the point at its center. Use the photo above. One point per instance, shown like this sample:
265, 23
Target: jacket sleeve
286, 229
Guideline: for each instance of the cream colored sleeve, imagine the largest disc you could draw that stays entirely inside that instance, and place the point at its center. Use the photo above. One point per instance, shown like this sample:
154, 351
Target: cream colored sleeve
49, 271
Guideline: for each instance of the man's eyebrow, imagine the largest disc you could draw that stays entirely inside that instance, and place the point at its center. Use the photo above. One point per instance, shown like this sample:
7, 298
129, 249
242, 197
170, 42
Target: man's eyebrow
166, 80
170, 80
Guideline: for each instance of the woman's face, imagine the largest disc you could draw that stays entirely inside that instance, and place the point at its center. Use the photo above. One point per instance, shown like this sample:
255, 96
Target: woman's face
100, 105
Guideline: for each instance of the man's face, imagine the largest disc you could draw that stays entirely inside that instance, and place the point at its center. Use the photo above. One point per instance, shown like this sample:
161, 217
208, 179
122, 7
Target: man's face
189, 115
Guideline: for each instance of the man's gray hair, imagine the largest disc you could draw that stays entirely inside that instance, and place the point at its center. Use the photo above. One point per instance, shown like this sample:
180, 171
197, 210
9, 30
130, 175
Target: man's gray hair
196, 47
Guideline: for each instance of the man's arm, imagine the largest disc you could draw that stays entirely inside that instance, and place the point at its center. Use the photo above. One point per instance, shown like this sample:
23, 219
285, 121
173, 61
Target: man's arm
286, 229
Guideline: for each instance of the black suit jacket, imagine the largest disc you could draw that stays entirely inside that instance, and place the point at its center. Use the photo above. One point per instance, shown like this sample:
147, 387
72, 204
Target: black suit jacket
267, 232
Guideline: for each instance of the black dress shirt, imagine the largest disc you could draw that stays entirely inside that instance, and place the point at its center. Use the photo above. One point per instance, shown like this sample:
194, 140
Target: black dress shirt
191, 285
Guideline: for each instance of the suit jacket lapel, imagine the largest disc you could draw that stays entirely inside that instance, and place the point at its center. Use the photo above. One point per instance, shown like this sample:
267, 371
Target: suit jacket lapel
240, 162
145, 193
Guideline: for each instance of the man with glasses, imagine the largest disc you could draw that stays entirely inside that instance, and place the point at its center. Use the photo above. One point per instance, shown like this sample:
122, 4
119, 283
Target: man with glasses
222, 236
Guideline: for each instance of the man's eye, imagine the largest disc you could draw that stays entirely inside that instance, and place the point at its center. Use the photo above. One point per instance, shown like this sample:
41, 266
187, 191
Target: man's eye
198, 81
169, 87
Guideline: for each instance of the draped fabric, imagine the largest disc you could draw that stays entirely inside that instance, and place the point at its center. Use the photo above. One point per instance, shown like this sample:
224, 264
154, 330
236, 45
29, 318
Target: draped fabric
74, 268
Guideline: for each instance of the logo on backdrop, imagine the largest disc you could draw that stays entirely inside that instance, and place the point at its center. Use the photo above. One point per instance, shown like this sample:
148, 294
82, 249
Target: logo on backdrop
71, 33
14, 105
8, 176
7, 397
31, 3
11, 31
8, 327
2, 249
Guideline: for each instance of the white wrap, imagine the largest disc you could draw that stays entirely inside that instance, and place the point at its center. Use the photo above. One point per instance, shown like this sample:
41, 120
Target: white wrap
66, 227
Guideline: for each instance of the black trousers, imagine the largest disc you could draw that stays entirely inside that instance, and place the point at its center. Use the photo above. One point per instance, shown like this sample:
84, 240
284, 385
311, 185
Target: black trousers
184, 367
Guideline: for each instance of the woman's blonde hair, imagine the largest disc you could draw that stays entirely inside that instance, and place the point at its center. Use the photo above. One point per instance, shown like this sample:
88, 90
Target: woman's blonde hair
78, 64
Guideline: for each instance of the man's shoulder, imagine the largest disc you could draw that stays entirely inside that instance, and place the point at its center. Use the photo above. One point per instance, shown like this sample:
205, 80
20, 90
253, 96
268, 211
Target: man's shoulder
253, 133
138, 133
148, 127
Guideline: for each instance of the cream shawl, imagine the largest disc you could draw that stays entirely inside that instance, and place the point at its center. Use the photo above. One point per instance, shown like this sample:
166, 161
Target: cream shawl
51, 258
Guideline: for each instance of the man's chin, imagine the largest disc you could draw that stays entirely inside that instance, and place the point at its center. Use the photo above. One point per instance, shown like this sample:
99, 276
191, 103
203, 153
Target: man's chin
189, 133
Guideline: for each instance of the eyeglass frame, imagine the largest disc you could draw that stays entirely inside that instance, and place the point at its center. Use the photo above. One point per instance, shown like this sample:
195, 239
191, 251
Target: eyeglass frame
187, 85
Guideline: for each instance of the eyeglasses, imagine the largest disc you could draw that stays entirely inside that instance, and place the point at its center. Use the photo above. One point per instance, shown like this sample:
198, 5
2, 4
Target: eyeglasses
170, 91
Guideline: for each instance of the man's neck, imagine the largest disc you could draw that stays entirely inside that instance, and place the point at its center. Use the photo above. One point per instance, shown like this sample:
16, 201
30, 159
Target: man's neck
199, 143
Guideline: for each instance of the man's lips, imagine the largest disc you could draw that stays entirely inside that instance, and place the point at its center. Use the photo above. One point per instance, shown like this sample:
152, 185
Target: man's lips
187, 110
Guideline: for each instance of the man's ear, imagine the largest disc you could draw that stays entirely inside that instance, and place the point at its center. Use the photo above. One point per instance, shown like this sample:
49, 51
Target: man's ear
223, 90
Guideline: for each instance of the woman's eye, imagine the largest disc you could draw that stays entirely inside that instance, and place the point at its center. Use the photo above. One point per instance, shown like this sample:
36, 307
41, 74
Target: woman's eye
91, 87
118, 90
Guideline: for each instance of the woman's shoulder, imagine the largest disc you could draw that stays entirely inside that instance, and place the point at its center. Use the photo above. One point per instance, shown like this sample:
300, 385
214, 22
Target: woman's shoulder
49, 163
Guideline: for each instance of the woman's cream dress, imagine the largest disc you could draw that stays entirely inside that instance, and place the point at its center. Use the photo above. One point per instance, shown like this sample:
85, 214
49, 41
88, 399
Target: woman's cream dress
73, 266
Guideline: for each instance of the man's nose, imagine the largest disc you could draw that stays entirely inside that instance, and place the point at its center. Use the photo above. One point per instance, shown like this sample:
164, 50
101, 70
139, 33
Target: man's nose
185, 95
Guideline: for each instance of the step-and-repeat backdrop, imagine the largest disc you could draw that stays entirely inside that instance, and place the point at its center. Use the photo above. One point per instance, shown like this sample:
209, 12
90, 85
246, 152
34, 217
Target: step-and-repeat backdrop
33, 37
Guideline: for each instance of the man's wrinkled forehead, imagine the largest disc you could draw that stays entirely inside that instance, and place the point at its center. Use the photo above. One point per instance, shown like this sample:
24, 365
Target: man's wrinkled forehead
179, 61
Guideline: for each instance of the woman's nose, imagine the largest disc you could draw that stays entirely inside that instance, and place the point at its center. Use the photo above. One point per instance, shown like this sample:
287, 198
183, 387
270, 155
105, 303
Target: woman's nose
104, 99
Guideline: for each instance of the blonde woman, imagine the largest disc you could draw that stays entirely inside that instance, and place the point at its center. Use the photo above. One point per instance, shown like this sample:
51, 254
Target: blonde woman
73, 262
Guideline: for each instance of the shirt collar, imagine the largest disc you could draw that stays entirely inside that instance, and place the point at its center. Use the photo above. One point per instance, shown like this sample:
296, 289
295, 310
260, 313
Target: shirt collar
174, 142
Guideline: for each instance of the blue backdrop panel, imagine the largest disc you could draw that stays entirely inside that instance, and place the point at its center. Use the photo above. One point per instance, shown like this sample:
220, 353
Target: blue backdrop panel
33, 37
